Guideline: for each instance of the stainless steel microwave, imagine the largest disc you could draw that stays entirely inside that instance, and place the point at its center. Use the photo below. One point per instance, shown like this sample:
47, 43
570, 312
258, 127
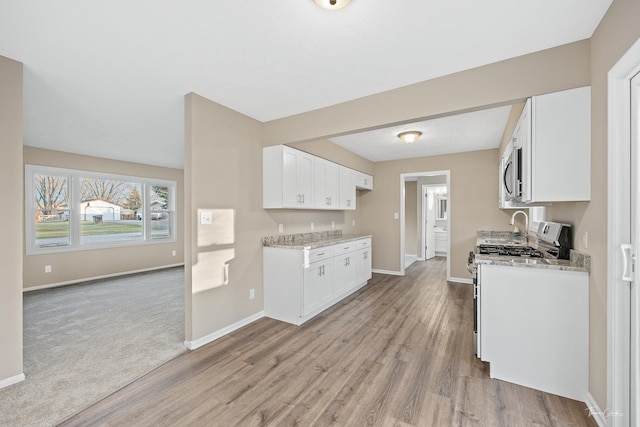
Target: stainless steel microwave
512, 175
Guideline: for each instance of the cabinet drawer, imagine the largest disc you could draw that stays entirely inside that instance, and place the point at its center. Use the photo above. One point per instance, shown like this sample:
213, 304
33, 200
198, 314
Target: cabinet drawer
344, 248
319, 254
364, 243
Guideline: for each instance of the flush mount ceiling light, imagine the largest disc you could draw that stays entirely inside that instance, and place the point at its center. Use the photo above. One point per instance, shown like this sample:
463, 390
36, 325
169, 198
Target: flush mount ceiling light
332, 4
409, 136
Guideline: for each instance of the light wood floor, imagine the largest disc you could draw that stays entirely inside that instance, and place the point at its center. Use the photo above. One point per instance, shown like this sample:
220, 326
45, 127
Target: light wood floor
396, 353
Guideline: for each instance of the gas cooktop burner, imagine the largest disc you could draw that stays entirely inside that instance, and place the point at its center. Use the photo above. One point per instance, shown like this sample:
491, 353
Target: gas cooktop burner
515, 251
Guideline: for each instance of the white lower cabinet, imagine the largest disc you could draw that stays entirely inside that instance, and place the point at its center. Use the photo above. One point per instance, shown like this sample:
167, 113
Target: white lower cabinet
363, 261
318, 286
534, 327
345, 272
300, 284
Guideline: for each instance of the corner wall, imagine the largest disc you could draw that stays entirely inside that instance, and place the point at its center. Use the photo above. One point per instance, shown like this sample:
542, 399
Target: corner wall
11, 217
223, 174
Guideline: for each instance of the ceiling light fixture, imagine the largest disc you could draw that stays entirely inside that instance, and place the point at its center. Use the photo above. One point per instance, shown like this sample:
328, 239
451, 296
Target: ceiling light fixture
409, 136
332, 4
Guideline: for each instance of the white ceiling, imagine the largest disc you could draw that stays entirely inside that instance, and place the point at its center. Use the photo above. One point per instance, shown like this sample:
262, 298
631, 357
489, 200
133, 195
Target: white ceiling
480, 130
107, 78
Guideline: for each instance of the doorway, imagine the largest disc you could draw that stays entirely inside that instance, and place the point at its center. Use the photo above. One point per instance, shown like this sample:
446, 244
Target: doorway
623, 299
433, 179
434, 220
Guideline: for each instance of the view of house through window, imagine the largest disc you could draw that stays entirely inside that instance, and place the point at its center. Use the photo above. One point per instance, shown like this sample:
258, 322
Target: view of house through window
67, 209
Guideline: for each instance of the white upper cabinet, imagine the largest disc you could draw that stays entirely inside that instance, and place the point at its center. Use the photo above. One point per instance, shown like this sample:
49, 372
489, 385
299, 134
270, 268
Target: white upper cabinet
326, 184
293, 179
555, 136
287, 178
347, 188
364, 181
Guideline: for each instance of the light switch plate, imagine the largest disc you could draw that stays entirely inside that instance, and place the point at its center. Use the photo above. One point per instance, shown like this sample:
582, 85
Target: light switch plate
396, 216
206, 218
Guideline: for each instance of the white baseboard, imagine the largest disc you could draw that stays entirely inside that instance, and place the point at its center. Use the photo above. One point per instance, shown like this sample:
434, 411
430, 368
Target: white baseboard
461, 280
192, 345
595, 412
11, 380
106, 276
393, 273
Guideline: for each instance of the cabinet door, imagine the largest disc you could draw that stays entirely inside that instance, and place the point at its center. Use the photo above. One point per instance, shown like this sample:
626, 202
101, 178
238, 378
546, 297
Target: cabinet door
326, 184
347, 188
290, 193
364, 181
363, 265
317, 286
297, 179
344, 276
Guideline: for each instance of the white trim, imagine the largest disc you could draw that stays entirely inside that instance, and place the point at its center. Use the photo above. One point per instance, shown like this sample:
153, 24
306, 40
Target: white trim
410, 259
407, 176
392, 273
595, 412
11, 380
192, 345
618, 231
105, 276
461, 280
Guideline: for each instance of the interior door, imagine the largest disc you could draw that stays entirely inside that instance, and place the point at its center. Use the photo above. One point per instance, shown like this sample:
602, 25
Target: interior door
430, 223
634, 294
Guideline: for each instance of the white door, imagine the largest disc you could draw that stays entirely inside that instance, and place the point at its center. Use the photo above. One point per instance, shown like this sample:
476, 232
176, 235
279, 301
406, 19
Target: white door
430, 223
634, 296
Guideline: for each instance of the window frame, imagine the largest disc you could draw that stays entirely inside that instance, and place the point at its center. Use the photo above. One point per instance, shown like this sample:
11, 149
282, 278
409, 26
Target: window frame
74, 177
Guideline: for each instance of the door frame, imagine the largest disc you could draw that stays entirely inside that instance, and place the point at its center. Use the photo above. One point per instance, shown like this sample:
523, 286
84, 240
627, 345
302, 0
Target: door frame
618, 233
403, 178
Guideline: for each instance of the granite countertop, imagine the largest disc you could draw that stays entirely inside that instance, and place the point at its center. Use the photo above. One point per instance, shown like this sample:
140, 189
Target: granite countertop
578, 261
303, 241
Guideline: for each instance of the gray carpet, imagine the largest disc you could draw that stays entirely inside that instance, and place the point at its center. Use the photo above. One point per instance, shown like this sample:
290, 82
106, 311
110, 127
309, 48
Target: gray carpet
83, 342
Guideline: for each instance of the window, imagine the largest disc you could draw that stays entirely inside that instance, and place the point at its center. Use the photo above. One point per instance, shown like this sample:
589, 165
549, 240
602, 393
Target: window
70, 210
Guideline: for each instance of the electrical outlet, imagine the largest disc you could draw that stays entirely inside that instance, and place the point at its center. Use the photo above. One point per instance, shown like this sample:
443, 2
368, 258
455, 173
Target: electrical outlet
280, 228
585, 240
47, 269
252, 293
396, 215
173, 253
333, 224
313, 226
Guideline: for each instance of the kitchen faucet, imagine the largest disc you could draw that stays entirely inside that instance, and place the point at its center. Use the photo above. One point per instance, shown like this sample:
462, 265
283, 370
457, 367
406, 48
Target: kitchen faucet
526, 223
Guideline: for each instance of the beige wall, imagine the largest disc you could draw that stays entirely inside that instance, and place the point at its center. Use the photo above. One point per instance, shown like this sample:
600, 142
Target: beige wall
617, 31
330, 151
472, 205
12, 188
411, 218
500, 83
227, 178
69, 267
